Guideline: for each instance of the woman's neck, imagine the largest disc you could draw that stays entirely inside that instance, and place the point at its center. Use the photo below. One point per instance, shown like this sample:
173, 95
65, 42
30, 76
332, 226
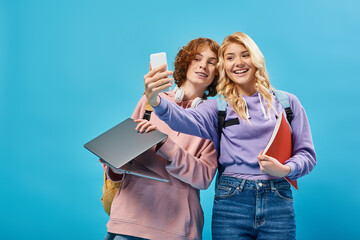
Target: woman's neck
247, 90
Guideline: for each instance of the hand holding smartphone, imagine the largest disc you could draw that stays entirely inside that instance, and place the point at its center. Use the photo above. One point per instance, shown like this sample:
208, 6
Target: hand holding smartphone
158, 59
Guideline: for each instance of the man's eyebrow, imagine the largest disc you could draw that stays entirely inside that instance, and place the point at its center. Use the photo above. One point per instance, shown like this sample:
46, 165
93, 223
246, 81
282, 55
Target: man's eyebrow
211, 58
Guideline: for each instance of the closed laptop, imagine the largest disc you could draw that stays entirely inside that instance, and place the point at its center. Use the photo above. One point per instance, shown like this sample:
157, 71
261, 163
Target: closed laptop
122, 143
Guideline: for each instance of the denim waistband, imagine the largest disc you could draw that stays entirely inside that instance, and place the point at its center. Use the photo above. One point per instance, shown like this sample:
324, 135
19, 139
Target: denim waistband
241, 183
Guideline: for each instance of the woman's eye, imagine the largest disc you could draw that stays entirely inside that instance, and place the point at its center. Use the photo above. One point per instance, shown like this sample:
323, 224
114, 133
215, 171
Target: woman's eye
197, 59
246, 55
229, 58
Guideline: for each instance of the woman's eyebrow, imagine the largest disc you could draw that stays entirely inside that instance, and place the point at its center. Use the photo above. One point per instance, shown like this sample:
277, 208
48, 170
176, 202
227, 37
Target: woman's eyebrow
246, 51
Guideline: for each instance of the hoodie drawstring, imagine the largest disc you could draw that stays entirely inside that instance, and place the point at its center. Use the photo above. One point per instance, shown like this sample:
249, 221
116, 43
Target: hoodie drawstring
263, 109
267, 117
247, 110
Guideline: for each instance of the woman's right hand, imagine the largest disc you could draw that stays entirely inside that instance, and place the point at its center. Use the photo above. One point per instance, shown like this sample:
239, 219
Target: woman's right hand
155, 81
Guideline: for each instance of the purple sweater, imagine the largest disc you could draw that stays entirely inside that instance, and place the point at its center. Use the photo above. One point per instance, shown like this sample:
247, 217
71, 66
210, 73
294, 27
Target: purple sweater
241, 144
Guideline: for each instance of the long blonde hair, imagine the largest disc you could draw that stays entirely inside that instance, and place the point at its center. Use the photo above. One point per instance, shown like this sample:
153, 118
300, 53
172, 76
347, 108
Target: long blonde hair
227, 89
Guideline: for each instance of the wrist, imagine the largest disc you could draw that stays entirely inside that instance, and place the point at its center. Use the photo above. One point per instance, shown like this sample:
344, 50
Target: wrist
287, 170
155, 102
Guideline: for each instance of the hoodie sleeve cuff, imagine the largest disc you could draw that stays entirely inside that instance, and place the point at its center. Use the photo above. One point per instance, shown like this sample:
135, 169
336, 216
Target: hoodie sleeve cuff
292, 169
162, 107
114, 176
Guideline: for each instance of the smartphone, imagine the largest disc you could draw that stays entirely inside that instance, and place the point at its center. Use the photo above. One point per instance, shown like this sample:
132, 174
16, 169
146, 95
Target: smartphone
158, 59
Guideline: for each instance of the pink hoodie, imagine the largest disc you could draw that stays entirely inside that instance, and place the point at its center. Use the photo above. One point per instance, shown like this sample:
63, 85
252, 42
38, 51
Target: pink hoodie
156, 210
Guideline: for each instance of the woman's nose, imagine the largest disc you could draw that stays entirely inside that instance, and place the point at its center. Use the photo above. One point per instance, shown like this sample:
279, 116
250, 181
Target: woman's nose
240, 62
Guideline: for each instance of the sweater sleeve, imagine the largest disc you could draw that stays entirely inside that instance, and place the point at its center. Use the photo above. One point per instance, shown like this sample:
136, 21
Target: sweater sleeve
200, 121
110, 174
304, 157
196, 171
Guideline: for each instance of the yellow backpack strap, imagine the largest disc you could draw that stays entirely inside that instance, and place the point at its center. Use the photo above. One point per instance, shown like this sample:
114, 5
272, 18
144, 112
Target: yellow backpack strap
110, 189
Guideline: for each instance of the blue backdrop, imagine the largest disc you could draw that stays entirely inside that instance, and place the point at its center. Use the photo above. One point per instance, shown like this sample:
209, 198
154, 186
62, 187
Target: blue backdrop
70, 70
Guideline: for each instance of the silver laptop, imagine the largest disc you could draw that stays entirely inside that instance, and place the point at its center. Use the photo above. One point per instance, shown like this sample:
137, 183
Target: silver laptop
122, 143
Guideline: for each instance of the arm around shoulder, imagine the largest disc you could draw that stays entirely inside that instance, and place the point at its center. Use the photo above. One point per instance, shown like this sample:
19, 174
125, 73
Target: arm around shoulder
200, 121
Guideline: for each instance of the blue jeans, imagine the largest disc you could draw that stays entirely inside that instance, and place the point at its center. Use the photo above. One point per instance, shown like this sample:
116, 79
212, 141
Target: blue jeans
113, 236
246, 209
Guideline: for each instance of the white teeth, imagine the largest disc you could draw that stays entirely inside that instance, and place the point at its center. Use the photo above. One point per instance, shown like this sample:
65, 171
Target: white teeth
201, 74
241, 71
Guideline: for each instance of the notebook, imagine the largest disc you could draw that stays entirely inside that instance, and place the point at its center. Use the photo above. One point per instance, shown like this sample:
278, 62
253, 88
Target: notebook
280, 144
121, 144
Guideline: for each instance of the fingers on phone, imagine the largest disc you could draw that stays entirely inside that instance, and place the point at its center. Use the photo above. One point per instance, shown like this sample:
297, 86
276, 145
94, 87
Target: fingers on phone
158, 80
153, 72
162, 75
160, 84
161, 68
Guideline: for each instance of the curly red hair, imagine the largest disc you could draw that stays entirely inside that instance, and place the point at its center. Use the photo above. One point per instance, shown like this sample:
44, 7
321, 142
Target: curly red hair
187, 54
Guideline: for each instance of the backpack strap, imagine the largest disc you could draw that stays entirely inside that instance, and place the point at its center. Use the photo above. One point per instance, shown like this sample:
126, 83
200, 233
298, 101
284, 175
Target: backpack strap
148, 111
221, 104
283, 99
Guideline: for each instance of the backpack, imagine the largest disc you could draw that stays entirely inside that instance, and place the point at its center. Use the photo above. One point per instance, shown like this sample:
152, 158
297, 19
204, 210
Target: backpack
110, 188
282, 98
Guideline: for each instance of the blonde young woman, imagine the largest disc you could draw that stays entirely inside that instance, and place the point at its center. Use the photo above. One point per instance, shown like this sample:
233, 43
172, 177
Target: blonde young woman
252, 200
150, 209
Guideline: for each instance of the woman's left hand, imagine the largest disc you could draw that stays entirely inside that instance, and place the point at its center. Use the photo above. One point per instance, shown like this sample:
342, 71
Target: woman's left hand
144, 125
272, 166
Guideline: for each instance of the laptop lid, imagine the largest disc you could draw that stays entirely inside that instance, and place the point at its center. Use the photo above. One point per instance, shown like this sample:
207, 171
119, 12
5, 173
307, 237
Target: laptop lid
122, 143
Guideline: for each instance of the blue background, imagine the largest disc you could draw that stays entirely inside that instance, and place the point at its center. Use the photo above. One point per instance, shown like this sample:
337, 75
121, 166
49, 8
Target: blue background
69, 70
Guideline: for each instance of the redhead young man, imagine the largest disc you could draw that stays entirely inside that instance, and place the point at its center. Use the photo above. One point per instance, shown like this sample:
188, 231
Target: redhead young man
150, 209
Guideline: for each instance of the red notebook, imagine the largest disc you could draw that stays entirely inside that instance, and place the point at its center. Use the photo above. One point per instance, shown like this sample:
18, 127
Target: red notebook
280, 144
